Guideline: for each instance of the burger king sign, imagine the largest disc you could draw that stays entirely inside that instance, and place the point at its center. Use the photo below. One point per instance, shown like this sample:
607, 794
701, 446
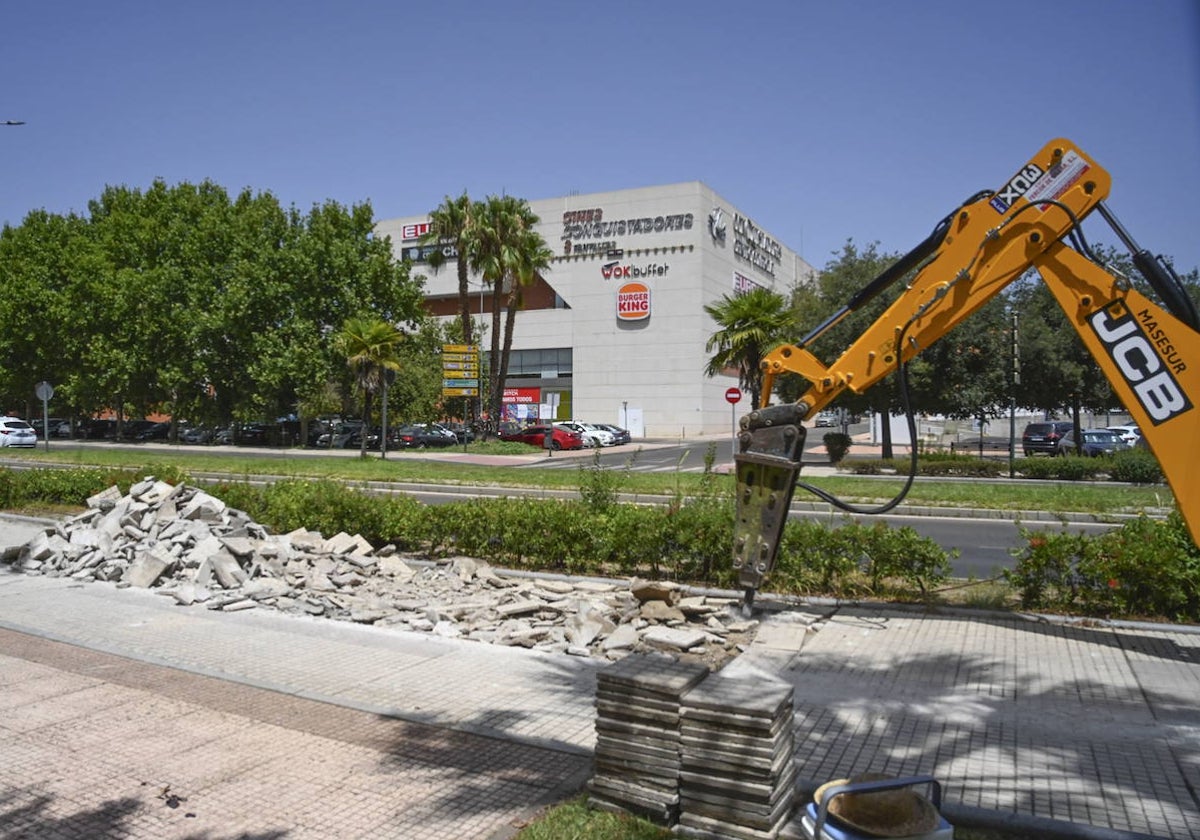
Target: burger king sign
633, 302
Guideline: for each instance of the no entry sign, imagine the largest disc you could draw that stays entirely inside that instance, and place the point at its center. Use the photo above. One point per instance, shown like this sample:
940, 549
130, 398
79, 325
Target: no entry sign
733, 395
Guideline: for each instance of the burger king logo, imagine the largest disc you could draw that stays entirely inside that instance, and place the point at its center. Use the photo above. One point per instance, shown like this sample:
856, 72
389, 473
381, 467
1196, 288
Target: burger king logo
633, 302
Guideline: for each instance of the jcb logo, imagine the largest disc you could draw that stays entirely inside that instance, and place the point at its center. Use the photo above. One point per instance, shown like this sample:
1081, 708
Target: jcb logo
1139, 363
1017, 187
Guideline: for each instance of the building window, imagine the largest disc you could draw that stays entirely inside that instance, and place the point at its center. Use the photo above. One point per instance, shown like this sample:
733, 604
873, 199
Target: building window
540, 364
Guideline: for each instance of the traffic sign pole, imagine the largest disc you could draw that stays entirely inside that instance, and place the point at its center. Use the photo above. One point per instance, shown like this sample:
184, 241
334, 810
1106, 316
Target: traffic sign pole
45, 391
733, 396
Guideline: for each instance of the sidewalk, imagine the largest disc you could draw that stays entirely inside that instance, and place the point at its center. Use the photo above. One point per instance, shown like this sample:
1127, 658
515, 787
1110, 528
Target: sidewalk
124, 714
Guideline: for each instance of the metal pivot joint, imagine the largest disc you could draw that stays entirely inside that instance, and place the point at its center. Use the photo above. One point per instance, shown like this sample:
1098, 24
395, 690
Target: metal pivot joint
770, 447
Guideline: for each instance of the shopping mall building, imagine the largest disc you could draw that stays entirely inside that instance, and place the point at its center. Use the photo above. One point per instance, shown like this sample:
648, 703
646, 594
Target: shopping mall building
616, 331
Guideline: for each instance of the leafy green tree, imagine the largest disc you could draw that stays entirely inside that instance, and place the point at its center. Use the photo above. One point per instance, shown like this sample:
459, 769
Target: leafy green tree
370, 346
416, 394
849, 272
38, 261
967, 372
750, 325
175, 298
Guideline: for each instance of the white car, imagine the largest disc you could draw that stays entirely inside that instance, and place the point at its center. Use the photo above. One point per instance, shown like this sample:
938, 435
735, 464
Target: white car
592, 435
1129, 434
16, 432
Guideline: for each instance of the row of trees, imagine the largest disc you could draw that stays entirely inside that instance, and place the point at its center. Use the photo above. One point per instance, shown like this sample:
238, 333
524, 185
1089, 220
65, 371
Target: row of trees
187, 301
967, 374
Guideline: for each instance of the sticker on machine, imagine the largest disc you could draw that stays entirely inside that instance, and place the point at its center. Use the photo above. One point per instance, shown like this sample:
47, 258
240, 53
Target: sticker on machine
1061, 177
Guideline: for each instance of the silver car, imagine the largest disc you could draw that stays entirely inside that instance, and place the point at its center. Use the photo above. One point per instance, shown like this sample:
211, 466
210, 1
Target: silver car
16, 432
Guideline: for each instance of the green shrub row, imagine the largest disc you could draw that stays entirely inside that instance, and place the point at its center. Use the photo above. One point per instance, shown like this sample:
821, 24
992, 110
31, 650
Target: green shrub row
1133, 466
24, 488
1146, 569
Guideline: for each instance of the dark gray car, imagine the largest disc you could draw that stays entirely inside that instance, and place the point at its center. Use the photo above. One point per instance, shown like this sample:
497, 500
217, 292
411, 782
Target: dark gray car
1044, 437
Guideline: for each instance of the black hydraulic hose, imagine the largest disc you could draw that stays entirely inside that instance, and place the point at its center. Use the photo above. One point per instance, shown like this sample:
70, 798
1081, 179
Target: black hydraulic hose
1161, 277
902, 369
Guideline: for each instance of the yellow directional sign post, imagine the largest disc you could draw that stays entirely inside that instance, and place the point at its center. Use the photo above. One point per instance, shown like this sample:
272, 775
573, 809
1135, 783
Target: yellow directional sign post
460, 370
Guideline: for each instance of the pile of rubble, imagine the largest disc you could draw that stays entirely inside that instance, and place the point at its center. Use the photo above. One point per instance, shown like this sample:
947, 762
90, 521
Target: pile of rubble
189, 545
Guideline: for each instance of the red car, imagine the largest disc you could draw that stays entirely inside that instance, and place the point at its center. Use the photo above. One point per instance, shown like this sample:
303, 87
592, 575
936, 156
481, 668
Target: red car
536, 436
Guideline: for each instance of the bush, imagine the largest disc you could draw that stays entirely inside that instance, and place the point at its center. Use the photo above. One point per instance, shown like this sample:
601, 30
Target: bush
854, 560
874, 466
837, 445
73, 487
1147, 568
1070, 468
937, 463
1135, 466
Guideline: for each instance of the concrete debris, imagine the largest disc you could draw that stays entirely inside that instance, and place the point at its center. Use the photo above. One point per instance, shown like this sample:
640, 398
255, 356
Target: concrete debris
189, 545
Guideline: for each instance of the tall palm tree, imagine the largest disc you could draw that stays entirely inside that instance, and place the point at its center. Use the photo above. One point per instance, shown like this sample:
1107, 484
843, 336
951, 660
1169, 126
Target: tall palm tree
752, 324
370, 346
509, 253
454, 221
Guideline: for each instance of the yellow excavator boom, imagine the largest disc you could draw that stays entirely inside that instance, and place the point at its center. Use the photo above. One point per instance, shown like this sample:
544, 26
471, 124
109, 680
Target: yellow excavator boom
1149, 352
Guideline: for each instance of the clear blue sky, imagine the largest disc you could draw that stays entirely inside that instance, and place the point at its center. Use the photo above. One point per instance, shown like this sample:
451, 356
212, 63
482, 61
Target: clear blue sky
823, 121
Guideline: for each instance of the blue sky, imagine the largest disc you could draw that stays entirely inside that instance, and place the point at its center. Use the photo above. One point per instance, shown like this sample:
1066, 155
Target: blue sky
822, 121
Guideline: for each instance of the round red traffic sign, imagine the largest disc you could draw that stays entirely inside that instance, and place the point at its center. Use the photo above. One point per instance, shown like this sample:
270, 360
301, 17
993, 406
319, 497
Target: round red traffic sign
733, 395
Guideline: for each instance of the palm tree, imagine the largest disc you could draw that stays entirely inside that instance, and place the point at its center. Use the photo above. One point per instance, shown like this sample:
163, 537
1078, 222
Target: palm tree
509, 253
454, 221
369, 345
752, 324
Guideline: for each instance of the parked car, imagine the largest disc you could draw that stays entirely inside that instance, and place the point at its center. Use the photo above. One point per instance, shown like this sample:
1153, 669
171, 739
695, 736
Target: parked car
620, 435
253, 434
1129, 434
563, 438
1095, 442
95, 429
52, 424
1044, 436
420, 436
338, 435
462, 432
156, 431
355, 441
16, 432
592, 436
196, 434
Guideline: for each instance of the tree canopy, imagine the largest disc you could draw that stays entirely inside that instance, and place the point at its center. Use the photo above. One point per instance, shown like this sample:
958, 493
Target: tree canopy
183, 300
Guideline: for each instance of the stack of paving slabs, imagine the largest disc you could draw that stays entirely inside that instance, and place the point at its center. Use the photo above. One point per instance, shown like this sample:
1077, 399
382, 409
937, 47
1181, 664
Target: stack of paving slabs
637, 735
736, 751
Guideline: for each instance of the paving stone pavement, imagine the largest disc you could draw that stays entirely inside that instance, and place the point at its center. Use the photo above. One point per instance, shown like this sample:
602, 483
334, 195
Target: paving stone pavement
122, 714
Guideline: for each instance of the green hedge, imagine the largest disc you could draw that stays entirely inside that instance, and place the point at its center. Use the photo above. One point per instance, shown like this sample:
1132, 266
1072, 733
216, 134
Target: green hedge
1146, 569
1133, 466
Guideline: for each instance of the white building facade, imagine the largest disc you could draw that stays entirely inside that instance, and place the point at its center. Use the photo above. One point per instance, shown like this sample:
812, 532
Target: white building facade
617, 332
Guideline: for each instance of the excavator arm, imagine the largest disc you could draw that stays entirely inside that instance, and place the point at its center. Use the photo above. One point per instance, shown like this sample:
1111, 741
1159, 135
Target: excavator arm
1150, 354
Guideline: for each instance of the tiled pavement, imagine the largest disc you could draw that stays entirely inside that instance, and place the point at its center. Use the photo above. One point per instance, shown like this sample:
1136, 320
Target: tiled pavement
123, 715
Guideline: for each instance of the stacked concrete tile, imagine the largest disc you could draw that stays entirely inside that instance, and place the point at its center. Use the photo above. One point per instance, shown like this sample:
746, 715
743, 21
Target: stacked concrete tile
637, 761
736, 747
